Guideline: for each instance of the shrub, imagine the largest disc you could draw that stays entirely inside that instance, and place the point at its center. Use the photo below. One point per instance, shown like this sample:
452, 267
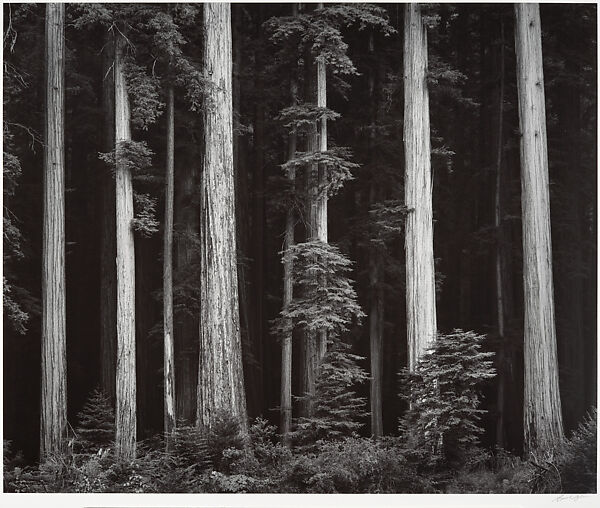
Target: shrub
96, 429
577, 458
442, 423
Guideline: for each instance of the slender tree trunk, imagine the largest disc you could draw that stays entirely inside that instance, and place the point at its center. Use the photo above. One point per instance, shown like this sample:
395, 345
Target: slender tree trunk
499, 262
288, 287
108, 247
542, 409
220, 378
321, 212
310, 347
420, 271
376, 274
53, 416
125, 421
169, 360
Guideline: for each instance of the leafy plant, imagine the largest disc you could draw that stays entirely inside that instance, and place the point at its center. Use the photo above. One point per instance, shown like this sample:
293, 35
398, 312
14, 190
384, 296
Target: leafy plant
443, 391
96, 429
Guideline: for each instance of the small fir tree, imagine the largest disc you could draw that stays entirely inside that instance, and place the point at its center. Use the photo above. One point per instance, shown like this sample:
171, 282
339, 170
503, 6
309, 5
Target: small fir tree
443, 392
96, 427
339, 411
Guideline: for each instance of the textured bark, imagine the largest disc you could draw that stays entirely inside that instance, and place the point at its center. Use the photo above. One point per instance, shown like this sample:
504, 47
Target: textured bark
53, 416
420, 271
542, 409
220, 374
499, 261
169, 360
125, 417
321, 212
376, 274
288, 290
108, 247
309, 346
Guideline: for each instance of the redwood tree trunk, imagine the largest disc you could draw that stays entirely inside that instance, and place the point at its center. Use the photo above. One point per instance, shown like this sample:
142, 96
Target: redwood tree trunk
53, 416
108, 247
125, 417
420, 271
542, 409
168, 359
220, 378
288, 290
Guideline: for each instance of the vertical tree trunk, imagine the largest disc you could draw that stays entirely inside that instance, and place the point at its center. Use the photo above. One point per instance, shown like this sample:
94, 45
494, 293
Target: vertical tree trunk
53, 416
321, 213
310, 347
499, 261
542, 409
169, 361
420, 271
220, 377
108, 247
288, 286
125, 418
376, 274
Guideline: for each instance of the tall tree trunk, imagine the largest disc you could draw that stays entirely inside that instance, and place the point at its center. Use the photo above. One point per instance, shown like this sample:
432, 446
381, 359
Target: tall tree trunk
321, 212
53, 416
500, 247
125, 421
376, 274
168, 359
288, 284
310, 349
420, 271
220, 374
542, 409
108, 246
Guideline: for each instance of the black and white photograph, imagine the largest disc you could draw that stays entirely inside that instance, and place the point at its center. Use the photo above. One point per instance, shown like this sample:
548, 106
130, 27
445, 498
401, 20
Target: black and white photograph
299, 248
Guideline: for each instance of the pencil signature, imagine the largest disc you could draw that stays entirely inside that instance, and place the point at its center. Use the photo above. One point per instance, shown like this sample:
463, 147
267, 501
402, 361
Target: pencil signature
569, 497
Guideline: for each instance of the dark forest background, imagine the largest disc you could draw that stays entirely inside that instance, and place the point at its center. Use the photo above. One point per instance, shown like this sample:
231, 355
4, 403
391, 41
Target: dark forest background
470, 45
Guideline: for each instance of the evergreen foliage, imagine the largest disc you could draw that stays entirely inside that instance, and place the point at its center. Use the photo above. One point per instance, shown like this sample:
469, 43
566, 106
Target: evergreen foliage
443, 392
338, 411
96, 428
326, 299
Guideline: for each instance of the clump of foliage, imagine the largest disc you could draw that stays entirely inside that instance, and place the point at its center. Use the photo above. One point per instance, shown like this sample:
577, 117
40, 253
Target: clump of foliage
224, 434
442, 422
326, 300
577, 458
355, 465
338, 411
96, 427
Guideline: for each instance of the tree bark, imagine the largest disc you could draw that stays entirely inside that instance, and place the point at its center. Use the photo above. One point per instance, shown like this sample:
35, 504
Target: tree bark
376, 274
125, 418
53, 416
168, 360
108, 247
542, 408
420, 270
288, 288
220, 378
500, 269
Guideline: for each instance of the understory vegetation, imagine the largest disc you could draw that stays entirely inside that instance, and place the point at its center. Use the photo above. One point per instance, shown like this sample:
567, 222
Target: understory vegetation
436, 450
222, 461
